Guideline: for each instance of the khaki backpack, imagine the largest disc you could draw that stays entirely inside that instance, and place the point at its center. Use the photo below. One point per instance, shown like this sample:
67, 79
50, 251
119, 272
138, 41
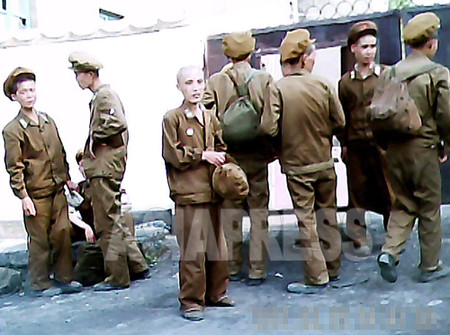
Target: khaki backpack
240, 121
392, 111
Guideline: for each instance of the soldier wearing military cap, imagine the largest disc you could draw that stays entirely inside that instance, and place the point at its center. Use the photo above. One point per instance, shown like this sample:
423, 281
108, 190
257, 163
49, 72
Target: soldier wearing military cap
36, 162
104, 162
307, 112
192, 146
253, 157
413, 163
368, 188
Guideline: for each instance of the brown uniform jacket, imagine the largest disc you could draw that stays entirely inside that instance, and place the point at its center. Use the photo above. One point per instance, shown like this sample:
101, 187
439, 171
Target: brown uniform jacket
221, 93
430, 92
108, 135
34, 156
355, 94
184, 140
308, 112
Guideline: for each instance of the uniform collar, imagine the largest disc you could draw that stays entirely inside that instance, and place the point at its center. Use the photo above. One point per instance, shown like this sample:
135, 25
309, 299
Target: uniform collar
300, 72
376, 70
188, 113
25, 120
98, 90
242, 65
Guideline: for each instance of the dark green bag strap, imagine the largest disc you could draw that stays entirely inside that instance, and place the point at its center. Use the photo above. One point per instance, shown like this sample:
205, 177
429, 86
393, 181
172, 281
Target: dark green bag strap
242, 90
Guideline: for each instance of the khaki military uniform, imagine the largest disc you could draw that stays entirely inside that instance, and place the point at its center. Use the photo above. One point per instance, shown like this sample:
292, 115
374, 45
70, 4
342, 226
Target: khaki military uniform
36, 162
307, 112
104, 162
413, 165
136, 262
368, 188
253, 158
203, 267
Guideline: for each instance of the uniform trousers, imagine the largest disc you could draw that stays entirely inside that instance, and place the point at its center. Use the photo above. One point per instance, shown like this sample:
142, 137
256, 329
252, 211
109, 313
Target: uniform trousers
203, 255
255, 206
49, 241
368, 189
119, 248
414, 175
314, 199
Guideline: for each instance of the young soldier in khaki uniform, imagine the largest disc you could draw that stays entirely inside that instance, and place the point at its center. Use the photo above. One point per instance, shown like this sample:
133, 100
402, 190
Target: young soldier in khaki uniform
307, 111
36, 161
104, 162
413, 164
192, 145
368, 189
253, 157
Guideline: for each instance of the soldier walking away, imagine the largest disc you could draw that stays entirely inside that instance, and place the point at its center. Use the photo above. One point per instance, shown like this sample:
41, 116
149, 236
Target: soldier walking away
252, 156
36, 162
192, 146
368, 188
307, 111
104, 162
413, 162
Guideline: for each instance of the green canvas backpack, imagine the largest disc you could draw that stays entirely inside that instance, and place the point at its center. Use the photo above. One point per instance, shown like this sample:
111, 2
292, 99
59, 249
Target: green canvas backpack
392, 110
240, 121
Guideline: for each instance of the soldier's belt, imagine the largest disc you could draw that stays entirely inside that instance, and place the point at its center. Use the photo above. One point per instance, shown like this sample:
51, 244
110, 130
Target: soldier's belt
311, 168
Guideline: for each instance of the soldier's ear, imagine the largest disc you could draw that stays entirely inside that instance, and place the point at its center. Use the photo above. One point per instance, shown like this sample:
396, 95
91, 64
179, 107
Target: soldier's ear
13, 97
178, 87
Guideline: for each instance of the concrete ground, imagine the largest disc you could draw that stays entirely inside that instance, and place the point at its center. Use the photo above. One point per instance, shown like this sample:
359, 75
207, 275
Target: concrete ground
151, 306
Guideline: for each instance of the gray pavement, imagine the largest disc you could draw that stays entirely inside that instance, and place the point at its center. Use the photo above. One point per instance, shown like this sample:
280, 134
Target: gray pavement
151, 306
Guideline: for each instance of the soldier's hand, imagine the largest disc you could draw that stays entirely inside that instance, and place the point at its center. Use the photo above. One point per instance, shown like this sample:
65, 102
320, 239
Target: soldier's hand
28, 207
90, 237
71, 185
214, 157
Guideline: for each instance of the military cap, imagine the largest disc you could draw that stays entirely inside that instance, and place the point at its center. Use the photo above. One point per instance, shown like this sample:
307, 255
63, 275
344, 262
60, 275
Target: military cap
235, 45
361, 29
421, 27
295, 43
230, 182
82, 62
12, 78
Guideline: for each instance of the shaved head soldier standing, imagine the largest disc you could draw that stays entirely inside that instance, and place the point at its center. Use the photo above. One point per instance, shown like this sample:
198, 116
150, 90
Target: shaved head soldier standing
192, 146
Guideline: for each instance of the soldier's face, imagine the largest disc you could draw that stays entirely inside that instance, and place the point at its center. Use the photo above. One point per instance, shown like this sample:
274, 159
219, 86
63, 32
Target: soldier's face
26, 94
365, 49
192, 84
84, 79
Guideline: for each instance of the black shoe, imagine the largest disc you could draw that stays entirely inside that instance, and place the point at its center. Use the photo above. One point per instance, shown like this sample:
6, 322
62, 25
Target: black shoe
441, 272
255, 281
387, 267
237, 276
334, 278
302, 288
67, 288
103, 286
143, 275
225, 301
